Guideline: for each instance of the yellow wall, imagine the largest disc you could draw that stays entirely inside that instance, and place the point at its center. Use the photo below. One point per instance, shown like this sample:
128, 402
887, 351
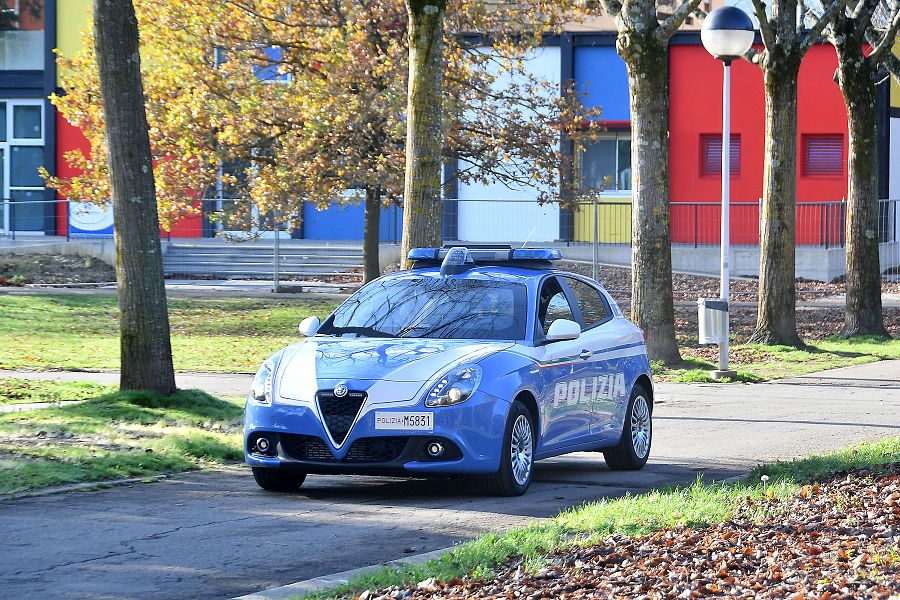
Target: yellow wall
895, 88
71, 17
614, 221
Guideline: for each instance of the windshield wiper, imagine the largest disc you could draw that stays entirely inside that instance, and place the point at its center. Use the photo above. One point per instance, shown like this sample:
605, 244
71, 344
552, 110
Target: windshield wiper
366, 331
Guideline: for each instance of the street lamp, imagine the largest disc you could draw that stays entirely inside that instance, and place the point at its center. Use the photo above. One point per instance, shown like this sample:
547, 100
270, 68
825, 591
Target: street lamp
727, 34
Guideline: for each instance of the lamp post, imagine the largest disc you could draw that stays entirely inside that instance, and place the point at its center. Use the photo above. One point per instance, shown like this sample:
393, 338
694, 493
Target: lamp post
727, 34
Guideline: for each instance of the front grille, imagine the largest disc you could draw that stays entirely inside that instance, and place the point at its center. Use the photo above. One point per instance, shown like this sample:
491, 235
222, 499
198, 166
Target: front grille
314, 449
377, 449
339, 413
306, 447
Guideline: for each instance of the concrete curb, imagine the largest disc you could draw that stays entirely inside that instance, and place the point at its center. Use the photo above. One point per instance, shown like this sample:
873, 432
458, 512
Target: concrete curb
327, 582
93, 486
87, 486
15, 408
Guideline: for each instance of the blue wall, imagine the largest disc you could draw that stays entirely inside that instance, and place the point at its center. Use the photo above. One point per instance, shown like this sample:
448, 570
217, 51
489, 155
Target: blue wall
346, 223
601, 73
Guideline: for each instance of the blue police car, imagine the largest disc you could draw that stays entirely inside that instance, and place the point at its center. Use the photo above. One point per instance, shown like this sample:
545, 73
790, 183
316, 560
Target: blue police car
472, 362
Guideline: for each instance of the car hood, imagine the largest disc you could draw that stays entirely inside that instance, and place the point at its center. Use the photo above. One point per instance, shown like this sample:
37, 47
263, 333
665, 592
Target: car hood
324, 361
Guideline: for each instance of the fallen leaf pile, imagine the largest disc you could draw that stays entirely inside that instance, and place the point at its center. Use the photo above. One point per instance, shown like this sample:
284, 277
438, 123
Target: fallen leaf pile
835, 539
690, 287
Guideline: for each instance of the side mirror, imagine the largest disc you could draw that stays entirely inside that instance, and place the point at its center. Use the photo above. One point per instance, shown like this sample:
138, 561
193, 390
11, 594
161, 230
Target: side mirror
563, 329
309, 326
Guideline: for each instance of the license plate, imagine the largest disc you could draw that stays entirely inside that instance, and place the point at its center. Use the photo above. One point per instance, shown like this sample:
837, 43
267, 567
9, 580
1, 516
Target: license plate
404, 421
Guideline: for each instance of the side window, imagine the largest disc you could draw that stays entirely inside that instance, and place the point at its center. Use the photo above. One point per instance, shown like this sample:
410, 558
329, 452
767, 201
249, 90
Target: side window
553, 304
593, 308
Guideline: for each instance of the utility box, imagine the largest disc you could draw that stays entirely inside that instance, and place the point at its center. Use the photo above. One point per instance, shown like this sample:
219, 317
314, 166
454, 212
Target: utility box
712, 317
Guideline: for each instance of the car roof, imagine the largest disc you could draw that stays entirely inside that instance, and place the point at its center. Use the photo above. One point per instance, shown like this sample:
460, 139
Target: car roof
506, 272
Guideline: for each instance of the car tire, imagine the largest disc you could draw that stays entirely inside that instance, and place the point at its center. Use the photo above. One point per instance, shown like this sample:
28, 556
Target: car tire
275, 480
633, 449
514, 476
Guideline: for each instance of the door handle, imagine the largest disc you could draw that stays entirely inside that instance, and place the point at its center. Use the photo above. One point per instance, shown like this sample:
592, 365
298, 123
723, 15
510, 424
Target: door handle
585, 354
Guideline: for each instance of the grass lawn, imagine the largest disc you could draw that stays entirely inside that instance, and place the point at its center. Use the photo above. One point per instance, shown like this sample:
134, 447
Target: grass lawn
692, 506
215, 334
228, 334
115, 435
754, 362
23, 391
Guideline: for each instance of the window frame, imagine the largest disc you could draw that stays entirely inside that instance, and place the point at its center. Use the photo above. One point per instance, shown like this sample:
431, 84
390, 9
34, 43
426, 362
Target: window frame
805, 140
618, 137
538, 334
7, 189
712, 137
603, 300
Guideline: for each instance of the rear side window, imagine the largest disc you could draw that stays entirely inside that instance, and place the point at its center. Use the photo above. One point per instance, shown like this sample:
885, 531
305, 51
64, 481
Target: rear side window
593, 307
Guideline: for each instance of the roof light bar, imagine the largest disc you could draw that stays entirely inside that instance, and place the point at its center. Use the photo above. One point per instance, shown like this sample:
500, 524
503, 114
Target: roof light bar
488, 254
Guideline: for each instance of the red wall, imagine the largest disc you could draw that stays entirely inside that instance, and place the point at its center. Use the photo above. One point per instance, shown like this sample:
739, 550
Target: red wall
696, 108
69, 137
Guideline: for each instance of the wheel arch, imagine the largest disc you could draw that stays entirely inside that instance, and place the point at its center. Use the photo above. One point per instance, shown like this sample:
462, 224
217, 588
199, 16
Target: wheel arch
645, 381
530, 402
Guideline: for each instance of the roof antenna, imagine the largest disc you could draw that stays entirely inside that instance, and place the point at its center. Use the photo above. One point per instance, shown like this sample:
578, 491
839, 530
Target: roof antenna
530, 234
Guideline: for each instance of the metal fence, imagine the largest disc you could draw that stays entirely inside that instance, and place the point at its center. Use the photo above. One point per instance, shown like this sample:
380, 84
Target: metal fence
599, 230
30, 217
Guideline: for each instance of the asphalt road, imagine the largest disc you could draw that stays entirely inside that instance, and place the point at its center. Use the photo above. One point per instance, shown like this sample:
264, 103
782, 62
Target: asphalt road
215, 535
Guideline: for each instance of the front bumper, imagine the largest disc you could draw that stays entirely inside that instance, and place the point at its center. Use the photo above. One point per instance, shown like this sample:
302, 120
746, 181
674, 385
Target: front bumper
472, 433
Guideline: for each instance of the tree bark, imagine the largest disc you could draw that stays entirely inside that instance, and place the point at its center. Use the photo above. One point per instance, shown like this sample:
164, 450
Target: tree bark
145, 347
776, 317
856, 78
652, 307
371, 234
424, 138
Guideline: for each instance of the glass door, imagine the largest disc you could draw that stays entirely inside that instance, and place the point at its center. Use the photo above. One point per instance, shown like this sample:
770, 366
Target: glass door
21, 156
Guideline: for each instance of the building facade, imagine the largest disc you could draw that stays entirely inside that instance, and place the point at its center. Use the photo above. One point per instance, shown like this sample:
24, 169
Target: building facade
35, 135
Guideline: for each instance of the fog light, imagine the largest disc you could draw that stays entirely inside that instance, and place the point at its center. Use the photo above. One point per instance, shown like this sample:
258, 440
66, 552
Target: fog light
435, 449
262, 444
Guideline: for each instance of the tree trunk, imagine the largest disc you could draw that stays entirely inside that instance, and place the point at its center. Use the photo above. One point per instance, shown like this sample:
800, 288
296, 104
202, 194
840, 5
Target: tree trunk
651, 255
371, 234
856, 77
424, 137
146, 351
776, 317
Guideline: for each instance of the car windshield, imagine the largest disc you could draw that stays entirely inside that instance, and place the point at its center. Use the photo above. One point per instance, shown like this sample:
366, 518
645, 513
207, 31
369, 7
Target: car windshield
430, 307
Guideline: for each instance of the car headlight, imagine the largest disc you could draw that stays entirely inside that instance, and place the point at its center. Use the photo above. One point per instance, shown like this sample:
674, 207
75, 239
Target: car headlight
455, 386
261, 388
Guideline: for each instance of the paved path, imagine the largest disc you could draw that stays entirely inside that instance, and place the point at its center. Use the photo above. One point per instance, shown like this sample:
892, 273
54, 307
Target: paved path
220, 384
215, 535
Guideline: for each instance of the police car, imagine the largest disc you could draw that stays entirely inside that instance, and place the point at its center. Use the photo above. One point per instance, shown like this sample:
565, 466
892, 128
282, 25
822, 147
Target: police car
473, 362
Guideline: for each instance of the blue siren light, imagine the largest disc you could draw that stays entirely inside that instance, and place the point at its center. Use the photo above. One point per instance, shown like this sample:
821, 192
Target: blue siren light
536, 254
423, 254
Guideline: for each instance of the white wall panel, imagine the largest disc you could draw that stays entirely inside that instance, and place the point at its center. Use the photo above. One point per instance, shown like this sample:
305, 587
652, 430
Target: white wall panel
496, 213
894, 165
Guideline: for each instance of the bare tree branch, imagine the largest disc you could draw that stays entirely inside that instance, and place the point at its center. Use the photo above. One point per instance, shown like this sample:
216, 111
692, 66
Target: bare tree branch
753, 56
889, 37
765, 26
893, 65
671, 24
824, 21
864, 15
612, 7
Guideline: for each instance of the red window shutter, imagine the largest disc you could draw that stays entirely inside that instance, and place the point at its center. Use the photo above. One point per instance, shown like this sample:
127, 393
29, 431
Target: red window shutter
823, 154
711, 154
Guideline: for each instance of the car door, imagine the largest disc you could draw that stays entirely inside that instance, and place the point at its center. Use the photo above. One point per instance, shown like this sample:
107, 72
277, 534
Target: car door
602, 339
566, 406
